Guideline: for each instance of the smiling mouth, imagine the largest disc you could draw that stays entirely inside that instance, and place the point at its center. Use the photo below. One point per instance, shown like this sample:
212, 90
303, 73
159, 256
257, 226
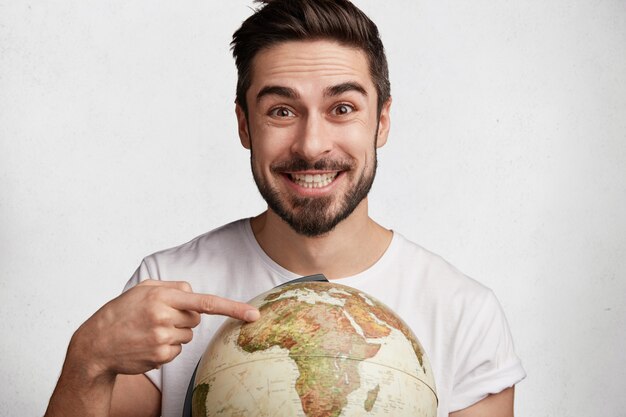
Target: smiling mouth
313, 180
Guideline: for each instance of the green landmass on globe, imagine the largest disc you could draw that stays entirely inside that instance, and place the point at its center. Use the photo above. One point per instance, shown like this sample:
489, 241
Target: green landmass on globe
334, 335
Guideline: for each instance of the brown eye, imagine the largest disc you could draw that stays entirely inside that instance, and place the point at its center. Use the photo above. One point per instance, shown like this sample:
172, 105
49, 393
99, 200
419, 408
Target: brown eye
281, 112
343, 109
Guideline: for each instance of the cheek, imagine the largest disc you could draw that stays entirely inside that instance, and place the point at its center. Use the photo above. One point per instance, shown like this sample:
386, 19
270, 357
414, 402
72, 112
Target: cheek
355, 139
265, 153
271, 144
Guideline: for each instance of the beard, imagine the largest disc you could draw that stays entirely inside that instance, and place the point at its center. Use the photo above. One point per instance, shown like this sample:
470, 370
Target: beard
315, 216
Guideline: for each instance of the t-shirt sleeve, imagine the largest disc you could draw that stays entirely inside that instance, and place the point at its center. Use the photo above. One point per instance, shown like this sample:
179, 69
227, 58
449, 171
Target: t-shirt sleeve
141, 274
486, 361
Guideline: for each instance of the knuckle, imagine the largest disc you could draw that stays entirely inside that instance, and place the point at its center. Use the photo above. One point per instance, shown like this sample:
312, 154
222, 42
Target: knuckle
192, 318
195, 319
158, 316
208, 304
162, 354
184, 286
161, 336
188, 336
153, 294
174, 351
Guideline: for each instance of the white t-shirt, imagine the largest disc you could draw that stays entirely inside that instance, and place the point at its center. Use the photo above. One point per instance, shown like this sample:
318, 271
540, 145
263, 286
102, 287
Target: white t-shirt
458, 321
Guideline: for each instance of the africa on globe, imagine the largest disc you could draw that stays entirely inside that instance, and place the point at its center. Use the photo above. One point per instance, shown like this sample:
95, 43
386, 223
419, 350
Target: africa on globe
319, 350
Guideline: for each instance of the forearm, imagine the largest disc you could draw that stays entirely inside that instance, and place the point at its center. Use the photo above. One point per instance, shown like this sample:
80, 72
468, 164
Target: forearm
140, 330
495, 405
81, 390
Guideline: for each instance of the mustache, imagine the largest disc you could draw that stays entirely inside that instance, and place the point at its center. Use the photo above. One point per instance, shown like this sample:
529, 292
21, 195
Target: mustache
324, 164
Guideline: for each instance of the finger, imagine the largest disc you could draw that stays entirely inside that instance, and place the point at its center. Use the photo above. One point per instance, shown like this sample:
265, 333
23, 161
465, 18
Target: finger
166, 354
181, 336
185, 319
212, 304
165, 315
179, 285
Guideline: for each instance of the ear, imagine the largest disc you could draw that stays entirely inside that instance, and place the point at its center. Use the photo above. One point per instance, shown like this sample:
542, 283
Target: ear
384, 124
242, 124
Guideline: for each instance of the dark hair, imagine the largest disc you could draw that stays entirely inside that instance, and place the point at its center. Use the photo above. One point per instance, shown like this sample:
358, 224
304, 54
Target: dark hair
279, 21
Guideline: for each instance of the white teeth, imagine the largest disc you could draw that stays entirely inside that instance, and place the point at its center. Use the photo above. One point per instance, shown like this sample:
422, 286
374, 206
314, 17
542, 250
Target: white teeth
313, 181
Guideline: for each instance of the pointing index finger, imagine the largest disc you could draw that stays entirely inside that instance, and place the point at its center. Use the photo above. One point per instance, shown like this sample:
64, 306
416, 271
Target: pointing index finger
212, 304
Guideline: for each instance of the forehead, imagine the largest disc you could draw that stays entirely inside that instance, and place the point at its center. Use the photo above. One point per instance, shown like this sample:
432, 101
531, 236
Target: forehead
309, 64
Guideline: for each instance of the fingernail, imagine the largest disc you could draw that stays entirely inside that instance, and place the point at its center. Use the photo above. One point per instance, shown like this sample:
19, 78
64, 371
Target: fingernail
251, 315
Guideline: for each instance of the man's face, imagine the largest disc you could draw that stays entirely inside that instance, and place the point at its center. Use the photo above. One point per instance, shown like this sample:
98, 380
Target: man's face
313, 130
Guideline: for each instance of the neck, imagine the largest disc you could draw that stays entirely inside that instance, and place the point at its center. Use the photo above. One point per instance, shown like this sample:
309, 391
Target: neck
351, 247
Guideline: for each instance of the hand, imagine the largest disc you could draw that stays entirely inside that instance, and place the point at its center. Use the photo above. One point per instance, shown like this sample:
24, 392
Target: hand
145, 327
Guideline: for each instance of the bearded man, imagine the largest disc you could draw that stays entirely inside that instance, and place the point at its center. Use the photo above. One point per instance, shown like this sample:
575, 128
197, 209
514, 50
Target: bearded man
313, 106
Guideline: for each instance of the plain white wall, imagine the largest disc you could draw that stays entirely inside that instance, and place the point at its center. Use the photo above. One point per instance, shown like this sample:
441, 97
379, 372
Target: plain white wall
507, 156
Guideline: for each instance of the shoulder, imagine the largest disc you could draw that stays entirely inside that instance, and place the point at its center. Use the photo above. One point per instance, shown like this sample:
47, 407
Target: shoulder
185, 261
434, 274
423, 287
460, 323
428, 290
215, 242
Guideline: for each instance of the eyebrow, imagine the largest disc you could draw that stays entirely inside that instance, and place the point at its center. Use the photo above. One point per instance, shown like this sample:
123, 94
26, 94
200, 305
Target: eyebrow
339, 89
277, 90
290, 93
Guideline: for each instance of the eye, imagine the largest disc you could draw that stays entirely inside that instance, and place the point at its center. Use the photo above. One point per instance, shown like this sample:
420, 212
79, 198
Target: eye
342, 109
281, 112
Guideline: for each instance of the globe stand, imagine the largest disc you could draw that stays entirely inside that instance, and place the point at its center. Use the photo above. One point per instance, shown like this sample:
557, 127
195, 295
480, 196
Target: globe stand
187, 410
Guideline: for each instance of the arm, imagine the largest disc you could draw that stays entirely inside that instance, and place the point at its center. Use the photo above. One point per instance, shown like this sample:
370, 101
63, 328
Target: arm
140, 330
494, 405
135, 396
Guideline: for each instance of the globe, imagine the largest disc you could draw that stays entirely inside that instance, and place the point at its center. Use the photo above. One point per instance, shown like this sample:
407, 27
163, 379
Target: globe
319, 350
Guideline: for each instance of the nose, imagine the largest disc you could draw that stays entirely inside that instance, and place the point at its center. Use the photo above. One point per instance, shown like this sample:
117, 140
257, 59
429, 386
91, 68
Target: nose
313, 139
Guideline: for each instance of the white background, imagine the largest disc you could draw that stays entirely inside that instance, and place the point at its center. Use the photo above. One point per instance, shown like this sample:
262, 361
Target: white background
507, 156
